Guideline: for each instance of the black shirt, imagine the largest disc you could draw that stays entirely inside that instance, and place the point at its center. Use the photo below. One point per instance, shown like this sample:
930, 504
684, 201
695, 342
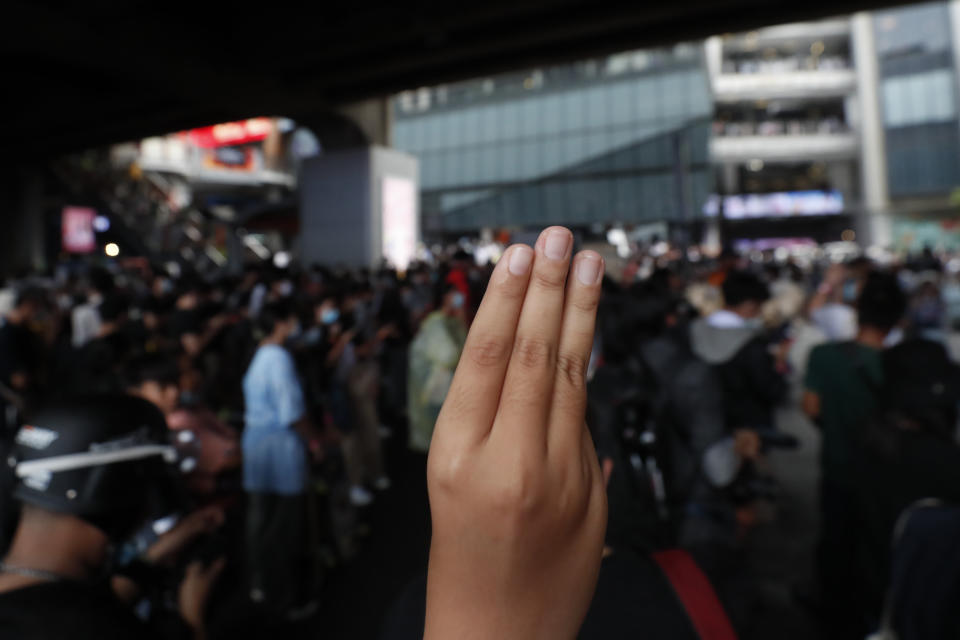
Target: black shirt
634, 600
19, 352
59, 610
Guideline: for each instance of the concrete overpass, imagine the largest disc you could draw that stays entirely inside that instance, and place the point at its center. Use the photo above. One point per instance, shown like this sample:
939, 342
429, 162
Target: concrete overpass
78, 76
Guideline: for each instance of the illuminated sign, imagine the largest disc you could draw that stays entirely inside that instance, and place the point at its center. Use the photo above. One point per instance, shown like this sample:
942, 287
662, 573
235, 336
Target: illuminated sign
231, 133
775, 205
399, 221
77, 232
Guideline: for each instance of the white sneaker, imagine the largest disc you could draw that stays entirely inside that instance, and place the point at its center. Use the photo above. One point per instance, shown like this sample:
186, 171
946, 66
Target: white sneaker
360, 497
382, 483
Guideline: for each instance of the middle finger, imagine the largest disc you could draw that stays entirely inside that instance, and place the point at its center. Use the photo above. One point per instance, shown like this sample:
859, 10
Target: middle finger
528, 385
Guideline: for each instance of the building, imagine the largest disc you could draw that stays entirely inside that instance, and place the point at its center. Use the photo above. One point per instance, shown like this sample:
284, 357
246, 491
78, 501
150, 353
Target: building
785, 141
917, 64
622, 139
846, 128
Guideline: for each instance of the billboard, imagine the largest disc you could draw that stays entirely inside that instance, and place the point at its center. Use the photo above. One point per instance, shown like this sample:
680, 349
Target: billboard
231, 133
775, 205
399, 221
77, 230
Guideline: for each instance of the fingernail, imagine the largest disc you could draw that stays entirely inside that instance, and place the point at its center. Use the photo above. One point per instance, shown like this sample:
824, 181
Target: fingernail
556, 244
520, 259
588, 269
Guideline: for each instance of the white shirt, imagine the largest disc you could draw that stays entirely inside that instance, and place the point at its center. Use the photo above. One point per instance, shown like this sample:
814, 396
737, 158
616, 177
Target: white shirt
86, 321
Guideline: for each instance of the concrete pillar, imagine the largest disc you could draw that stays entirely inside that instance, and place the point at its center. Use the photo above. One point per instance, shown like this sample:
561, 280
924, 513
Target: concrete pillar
713, 53
358, 207
22, 206
874, 223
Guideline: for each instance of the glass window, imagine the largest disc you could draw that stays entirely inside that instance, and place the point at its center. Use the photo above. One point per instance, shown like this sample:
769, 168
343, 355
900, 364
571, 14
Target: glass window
596, 107
530, 165
488, 123
531, 122
574, 109
919, 98
509, 119
455, 175
910, 29
470, 126
550, 158
429, 176
551, 106
621, 103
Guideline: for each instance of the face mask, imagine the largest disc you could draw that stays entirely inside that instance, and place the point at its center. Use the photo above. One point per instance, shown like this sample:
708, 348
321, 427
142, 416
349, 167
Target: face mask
850, 291
296, 331
457, 301
330, 316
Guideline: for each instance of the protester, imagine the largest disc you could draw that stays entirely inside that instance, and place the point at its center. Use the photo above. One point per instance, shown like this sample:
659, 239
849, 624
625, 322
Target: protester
337, 359
906, 453
21, 355
732, 340
277, 444
434, 354
55, 579
842, 387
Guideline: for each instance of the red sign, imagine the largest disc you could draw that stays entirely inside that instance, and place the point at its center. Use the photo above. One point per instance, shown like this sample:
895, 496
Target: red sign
231, 133
77, 234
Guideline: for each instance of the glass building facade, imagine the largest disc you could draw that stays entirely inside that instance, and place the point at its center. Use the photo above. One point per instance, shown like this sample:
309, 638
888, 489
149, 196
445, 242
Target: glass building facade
618, 139
918, 98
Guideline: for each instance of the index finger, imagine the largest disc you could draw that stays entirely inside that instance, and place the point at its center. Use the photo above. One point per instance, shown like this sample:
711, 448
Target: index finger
474, 395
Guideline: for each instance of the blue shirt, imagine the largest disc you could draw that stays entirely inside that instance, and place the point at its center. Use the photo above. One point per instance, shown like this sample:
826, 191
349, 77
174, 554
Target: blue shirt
274, 456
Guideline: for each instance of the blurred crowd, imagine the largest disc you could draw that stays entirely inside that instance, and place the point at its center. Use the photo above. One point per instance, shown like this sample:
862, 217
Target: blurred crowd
284, 382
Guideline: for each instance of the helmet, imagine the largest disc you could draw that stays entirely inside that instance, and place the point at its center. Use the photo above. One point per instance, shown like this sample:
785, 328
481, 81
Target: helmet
105, 459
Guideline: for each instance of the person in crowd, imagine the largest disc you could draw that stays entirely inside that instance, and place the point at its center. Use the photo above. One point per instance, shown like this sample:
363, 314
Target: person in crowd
98, 364
927, 311
362, 445
842, 384
155, 378
55, 580
680, 396
21, 355
85, 318
728, 261
278, 442
907, 452
343, 386
434, 354
732, 340
459, 278
831, 308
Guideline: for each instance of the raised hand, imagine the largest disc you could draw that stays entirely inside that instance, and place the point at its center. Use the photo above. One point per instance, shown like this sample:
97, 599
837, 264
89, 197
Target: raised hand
516, 492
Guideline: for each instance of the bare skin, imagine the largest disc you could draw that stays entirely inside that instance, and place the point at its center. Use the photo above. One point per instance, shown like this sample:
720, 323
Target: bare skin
516, 491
